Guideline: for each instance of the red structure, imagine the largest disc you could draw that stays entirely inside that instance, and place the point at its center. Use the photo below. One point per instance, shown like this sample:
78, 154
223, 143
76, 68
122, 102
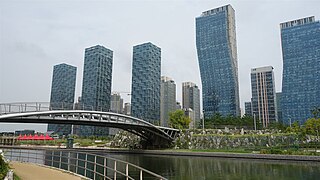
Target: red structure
35, 137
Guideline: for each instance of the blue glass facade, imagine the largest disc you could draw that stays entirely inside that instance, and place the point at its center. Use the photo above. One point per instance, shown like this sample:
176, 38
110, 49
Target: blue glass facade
62, 93
96, 84
301, 69
248, 108
146, 75
217, 55
279, 109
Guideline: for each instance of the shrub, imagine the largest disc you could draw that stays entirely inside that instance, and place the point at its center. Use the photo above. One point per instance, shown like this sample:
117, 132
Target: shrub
3, 168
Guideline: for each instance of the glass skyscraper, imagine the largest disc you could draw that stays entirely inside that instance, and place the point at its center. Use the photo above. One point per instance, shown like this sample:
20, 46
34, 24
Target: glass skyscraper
263, 95
217, 55
248, 108
62, 93
96, 84
168, 99
301, 69
146, 74
278, 102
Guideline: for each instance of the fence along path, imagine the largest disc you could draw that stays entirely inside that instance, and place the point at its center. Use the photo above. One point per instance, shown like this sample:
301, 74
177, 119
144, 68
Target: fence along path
88, 165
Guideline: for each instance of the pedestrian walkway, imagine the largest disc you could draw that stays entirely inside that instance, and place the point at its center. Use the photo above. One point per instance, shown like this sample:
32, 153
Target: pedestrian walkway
28, 171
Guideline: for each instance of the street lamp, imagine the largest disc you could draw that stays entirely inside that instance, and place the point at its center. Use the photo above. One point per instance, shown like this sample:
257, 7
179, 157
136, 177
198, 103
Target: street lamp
254, 121
289, 120
203, 120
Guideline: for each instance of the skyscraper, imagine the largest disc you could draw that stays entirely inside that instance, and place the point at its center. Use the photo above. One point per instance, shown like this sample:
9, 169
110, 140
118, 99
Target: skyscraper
248, 108
116, 103
263, 95
96, 84
301, 68
167, 100
62, 93
146, 74
127, 109
191, 100
217, 55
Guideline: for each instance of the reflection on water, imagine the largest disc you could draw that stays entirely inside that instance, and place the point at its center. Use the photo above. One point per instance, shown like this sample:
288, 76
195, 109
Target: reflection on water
184, 168
175, 167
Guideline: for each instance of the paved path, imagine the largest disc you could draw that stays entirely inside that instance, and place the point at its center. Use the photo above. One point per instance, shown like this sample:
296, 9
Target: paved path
27, 171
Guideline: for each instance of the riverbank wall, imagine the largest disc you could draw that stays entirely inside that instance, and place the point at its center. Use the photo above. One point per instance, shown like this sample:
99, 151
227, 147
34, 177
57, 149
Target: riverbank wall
197, 139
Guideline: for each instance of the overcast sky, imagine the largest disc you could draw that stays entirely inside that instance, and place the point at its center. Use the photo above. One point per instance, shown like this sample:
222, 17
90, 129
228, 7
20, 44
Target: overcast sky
36, 35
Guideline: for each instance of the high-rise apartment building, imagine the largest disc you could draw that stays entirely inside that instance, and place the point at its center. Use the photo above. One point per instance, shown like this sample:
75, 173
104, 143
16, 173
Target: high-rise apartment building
191, 100
248, 108
263, 95
217, 56
77, 106
167, 99
116, 103
96, 85
127, 109
146, 74
190, 113
62, 93
301, 68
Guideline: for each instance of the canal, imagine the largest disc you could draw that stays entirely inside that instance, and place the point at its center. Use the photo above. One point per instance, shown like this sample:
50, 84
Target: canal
200, 168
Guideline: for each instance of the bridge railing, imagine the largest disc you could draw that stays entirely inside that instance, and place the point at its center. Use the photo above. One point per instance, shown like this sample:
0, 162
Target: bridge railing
88, 165
7, 108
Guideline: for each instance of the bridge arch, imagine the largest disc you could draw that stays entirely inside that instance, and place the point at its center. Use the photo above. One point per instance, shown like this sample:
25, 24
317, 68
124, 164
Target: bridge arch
153, 135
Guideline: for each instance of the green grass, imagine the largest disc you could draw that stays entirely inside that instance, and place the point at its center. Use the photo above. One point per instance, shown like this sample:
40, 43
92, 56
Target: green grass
83, 142
16, 177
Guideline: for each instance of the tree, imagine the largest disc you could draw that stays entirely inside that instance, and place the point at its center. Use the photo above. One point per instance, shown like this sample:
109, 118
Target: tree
3, 167
312, 126
316, 112
295, 128
179, 120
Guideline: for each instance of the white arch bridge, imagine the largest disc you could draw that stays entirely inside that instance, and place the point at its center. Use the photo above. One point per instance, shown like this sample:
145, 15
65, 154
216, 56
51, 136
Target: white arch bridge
43, 113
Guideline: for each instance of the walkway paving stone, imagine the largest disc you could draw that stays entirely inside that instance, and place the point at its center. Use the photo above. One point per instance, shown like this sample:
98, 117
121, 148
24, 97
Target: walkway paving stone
28, 171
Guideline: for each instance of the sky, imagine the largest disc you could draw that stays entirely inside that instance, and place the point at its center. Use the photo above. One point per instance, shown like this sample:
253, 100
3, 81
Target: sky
36, 35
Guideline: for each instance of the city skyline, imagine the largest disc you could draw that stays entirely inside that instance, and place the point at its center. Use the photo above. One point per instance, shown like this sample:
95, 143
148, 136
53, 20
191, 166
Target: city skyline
51, 51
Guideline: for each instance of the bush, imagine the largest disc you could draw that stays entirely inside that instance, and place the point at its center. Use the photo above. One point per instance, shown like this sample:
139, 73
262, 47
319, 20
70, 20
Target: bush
275, 151
3, 168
